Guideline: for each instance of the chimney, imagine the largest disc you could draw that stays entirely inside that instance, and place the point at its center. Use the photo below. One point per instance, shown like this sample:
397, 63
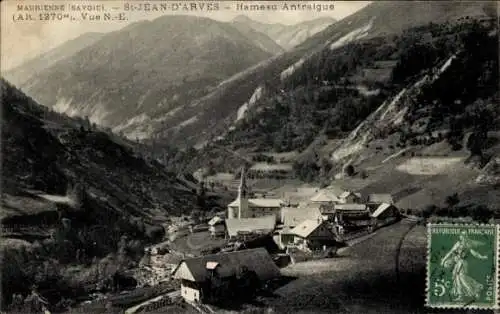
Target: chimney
211, 265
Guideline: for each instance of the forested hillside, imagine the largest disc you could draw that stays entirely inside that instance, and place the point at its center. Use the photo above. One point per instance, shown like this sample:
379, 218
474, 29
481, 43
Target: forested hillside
76, 200
335, 90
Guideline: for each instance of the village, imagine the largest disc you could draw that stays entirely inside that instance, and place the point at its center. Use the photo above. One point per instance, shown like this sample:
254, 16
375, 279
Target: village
239, 251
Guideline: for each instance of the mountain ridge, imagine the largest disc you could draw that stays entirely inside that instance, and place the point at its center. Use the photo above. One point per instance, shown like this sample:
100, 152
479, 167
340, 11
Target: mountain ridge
145, 72
380, 103
20, 74
287, 36
237, 91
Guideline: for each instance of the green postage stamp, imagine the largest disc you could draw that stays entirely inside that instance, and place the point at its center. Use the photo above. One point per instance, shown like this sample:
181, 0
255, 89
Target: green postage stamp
462, 266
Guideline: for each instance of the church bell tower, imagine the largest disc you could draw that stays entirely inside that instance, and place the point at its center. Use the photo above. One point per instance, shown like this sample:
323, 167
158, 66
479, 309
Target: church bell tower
243, 196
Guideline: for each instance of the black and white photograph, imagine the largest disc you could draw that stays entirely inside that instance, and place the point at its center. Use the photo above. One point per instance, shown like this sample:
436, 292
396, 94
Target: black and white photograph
257, 157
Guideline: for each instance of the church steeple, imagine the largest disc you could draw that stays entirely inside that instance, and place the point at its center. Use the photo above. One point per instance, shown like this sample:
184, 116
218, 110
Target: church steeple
242, 195
243, 189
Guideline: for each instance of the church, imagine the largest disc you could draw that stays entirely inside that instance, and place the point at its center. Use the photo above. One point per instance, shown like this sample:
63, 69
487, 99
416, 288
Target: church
244, 207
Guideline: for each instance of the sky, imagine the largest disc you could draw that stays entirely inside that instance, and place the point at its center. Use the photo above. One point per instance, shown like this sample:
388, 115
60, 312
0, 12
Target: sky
22, 40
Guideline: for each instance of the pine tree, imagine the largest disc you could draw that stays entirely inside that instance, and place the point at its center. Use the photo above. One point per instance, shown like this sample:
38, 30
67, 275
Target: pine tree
349, 170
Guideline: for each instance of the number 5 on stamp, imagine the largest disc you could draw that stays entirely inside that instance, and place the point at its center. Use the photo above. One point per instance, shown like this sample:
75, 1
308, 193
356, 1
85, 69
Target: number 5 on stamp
462, 266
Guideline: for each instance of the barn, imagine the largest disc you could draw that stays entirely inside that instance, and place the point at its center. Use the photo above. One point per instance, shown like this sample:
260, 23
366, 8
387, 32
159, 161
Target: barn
312, 234
210, 278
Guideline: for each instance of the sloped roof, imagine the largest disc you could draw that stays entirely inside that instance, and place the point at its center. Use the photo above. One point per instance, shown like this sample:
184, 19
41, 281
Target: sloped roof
215, 220
262, 224
169, 258
310, 205
260, 202
228, 264
351, 207
382, 208
302, 194
265, 202
285, 230
293, 198
324, 196
293, 216
305, 228
347, 193
335, 189
380, 198
305, 204
307, 190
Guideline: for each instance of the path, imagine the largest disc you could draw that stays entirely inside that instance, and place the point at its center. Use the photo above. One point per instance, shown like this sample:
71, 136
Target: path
202, 308
396, 154
155, 303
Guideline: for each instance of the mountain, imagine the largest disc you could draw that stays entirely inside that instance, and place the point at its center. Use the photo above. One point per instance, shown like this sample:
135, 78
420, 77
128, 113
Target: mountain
219, 110
46, 151
287, 36
409, 104
147, 70
69, 194
22, 73
258, 38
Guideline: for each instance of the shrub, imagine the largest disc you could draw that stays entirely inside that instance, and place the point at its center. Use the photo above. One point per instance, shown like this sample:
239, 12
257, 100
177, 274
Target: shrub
429, 210
323, 184
482, 213
155, 233
349, 170
364, 174
452, 200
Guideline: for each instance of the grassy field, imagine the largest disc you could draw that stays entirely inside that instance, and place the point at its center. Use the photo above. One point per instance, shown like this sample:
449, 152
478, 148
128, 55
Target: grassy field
362, 280
194, 243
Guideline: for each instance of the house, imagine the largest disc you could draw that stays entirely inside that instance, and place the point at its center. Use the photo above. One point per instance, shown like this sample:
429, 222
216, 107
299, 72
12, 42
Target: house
352, 214
244, 207
293, 216
255, 207
311, 234
283, 237
241, 226
349, 197
384, 214
328, 212
293, 198
216, 227
213, 277
379, 199
325, 197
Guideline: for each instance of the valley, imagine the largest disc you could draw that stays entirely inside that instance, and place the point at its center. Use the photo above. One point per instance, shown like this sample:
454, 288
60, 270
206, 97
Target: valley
136, 162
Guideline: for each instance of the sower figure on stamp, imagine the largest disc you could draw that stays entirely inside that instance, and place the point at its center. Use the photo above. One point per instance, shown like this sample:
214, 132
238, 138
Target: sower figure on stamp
462, 284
